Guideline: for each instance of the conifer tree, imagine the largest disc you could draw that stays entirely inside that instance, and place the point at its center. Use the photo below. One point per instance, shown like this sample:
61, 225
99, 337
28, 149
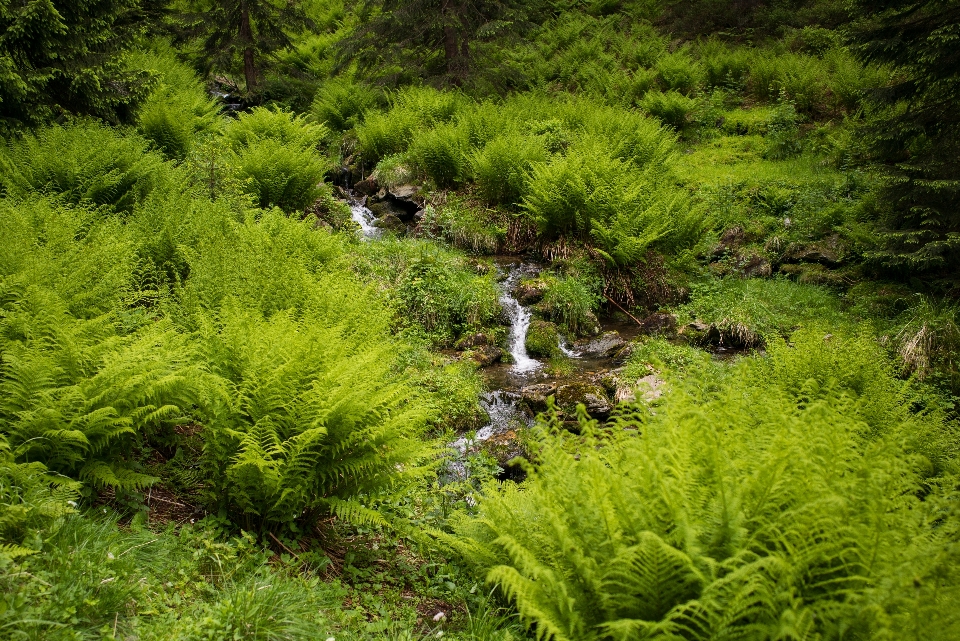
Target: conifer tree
915, 129
244, 31
433, 37
64, 56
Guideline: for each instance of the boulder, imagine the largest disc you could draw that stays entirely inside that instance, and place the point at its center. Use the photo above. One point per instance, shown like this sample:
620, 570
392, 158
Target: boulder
403, 192
535, 396
529, 292
391, 222
368, 186
659, 323
589, 394
474, 340
543, 339
606, 345
486, 355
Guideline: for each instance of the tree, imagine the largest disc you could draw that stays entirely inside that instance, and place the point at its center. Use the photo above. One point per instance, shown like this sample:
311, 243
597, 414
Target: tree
432, 36
914, 130
65, 56
244, 31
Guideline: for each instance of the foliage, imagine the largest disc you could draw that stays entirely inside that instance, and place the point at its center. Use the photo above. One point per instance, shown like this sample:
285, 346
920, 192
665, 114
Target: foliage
570, 301
83, 163
178, 109
242, 33
501, 168
31, 499
915, 129
928, 340
744, 506
751, 312
275, 151
432, 37
66, 57
434, 291
315, 414
340, 103
543, 339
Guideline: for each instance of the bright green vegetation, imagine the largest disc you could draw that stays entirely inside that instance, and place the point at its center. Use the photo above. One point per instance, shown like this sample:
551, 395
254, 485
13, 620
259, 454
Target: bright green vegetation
225, 415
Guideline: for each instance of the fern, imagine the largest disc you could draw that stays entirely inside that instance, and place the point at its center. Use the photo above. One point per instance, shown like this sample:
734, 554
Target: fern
759, 504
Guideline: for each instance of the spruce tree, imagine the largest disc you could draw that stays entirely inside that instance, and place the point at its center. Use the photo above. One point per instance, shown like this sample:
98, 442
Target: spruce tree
65, 56
914, 130
430, 38
243, 32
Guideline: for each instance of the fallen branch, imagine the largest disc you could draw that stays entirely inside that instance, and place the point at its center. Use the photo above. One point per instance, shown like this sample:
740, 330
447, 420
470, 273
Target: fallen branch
280, 543
624, 311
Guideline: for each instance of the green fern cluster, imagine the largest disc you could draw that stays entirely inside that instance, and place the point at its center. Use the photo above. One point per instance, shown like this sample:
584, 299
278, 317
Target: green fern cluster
85, 163
576, 167
31, 499
313, 413
178, 110
762, 503
275, 152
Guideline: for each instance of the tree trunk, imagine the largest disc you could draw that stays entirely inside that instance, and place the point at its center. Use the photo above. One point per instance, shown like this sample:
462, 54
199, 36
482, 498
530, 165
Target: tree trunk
451, 50
246, 37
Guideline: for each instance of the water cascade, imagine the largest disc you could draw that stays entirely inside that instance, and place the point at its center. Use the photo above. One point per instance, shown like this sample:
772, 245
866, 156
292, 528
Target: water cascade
519, 323
363, 217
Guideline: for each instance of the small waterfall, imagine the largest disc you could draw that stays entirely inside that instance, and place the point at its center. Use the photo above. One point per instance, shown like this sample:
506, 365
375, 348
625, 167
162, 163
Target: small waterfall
519, 324
364, 217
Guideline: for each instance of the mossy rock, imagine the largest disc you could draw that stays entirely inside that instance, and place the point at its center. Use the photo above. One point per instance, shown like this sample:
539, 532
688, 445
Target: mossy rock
543, 339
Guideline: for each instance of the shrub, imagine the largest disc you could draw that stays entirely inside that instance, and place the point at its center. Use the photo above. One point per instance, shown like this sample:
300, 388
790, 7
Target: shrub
283, 127
928, 340
314, 414
737, 507
502, 167
275, 152
278, 176
383, 134
672, 108
543, 340
783, 132
340, 103
440, 154
179, 108
83, 163
570, 301
679, 72
753, 311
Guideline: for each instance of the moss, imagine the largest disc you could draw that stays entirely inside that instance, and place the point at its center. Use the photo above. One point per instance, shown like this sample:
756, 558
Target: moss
543, 339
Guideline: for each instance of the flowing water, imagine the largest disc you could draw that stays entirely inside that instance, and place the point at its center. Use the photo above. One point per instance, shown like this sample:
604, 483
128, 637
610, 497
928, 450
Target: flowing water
519, 321
365, 218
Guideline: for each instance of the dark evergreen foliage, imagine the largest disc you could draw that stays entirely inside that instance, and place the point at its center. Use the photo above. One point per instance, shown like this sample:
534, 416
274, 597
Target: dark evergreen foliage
64, 56
431, 38
915, 130
244, 32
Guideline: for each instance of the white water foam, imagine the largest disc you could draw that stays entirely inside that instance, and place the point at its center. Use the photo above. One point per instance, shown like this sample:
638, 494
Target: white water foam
364, 217
519, 324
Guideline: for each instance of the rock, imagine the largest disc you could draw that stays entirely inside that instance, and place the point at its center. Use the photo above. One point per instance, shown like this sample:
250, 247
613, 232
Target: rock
368, 186
529, 292
700, 333
486, 355
543, 339
390, 221
604, 346
474, 340
659, 323
828, 252
597, 406
535, 396
418, 216
504, 448
340, 193
403, 192
650, 388
589, 394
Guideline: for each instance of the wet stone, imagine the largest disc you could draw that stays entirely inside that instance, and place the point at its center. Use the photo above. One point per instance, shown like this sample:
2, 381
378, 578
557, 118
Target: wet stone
485, 355
604, 346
